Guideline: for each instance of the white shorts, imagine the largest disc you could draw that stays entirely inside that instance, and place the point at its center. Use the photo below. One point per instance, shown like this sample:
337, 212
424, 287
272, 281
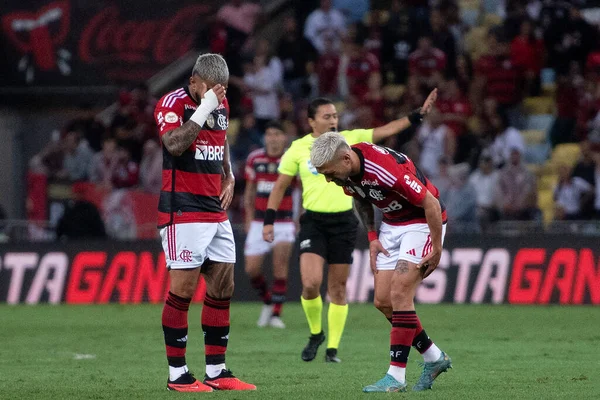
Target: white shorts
189, 245
405, 242
255, 244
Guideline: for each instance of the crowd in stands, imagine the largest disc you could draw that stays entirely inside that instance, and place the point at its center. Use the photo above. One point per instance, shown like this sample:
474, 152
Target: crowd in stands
505, 71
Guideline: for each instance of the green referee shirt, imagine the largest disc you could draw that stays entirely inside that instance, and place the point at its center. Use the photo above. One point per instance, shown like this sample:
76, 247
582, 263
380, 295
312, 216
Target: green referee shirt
317, 194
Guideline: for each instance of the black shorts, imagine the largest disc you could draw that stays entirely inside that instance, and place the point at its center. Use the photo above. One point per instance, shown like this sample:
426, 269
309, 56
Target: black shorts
330, 235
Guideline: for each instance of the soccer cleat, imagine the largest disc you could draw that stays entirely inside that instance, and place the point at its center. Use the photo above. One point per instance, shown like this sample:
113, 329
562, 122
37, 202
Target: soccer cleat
331, 356
432, 370
386, 384
187, 383
314, 341
226, 381
265, 315
276, 322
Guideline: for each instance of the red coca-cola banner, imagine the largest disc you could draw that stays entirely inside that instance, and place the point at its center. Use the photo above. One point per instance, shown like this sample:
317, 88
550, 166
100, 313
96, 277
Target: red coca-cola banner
64, 42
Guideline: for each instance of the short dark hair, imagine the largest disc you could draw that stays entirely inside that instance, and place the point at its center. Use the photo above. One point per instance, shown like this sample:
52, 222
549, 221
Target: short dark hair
275, 125
314, 105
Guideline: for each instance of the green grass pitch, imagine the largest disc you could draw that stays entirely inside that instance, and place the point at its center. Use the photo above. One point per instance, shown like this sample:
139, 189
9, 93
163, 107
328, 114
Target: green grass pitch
117, 352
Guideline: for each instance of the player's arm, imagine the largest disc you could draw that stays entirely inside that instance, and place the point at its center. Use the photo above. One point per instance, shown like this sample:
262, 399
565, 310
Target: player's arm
228, 183
433, 215
249, 197
399, 125
366, 214
281, 184
179, 139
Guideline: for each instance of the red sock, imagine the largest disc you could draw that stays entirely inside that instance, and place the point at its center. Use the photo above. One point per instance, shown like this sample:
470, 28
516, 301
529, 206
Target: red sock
175, 328
278, 296
421, 341
215, 324
404, 324
260, 285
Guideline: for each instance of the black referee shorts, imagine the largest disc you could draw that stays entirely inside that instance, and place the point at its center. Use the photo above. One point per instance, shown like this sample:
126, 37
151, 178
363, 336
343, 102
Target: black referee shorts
330, 235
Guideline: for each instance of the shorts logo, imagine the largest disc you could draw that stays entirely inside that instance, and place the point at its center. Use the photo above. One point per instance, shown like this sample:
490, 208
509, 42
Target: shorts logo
412, 252
305, 244
376, 194
185, 256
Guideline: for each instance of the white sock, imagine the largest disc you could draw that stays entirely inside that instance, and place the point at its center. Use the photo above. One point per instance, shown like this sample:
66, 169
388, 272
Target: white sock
176, 372
433, 353
398, 373
214, 369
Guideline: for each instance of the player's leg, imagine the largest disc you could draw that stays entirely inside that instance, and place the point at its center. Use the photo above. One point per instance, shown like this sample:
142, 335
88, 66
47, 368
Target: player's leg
218, 275
341, 234
312, 260
255, 249
281, 257
184, 271
381, 297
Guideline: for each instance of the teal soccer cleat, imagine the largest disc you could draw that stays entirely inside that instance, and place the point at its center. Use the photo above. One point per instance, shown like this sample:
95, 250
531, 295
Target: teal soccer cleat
432, 370
385, 385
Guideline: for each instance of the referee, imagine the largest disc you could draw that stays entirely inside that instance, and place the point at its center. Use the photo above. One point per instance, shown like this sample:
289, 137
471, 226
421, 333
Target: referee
328, 228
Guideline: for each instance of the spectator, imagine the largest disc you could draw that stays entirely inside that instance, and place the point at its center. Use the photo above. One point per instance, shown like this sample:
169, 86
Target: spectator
398, 41
151, 167
263, 86
427, 63
570, 194
436, 141
464, 73
597, 185
454, 107
527, 54
505, 140
88, 126
374, 98
485, 181
443, 39
356, 67
100, 167
77, 158
125, 171
249, 138
273, 63
585, 167
81, 220
496, 76
239, 18
295, 52
328, 66
568, 96
325, 23
460, 200
443, 181
353, 10
517, 190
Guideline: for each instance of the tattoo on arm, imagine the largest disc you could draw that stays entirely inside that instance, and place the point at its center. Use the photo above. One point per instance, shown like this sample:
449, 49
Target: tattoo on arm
179, 139
402, 267
227, 170
366, 214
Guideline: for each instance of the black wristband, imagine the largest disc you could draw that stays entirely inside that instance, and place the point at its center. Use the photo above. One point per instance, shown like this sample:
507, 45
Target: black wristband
269, 217
415, 117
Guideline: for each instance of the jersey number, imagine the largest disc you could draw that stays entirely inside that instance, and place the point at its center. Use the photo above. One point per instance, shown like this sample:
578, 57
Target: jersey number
393, 206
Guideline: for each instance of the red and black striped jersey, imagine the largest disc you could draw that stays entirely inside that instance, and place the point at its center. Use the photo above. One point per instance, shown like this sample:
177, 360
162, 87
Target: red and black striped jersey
262, 170
191, 182
393, 183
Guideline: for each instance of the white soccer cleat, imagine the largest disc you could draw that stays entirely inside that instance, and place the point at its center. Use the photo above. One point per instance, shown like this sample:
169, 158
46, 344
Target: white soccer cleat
276, 322
265, 315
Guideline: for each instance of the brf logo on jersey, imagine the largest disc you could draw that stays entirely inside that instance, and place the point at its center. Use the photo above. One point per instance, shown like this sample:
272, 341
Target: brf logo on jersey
209, 153
414, 185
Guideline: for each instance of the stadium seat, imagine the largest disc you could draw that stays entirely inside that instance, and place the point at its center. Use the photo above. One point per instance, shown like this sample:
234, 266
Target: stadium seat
233, 130
492, 20
392, 93
546, 204
541, 122
340, 107
469, 17
538, 105
547, 182
475, 42
547, 76
469, 4
566, 153
490, 6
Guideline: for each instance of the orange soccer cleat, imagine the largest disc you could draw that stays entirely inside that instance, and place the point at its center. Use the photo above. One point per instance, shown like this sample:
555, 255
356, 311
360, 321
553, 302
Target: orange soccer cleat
226, 381
187, 383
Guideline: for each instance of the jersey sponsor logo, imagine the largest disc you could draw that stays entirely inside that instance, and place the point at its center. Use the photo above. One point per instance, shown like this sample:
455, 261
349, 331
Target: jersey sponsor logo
265, 187
368, 182
414, 185
393, 206
272, 167
171, 117
311, 168
380, 149
261, 168
209, 153
376, 194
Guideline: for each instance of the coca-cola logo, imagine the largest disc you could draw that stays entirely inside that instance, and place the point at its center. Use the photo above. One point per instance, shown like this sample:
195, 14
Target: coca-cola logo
107, 37
38, 35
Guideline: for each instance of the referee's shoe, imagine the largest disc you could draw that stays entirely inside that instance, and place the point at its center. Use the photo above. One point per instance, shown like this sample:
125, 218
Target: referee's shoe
314, 341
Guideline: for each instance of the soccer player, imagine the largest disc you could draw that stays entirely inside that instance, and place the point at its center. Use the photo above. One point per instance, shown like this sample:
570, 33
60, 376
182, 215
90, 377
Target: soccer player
197, 188
261, 174
328, 227
407, 250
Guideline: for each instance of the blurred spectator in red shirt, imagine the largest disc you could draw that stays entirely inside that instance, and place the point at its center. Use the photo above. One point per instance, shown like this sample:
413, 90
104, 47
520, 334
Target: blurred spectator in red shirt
374, 98
399, 37
100, 168
443, 39
527, 53
325, 23
125, 172
464, 73
427, 63
356, 67
454, 107
568, 96
151, 167
328, 66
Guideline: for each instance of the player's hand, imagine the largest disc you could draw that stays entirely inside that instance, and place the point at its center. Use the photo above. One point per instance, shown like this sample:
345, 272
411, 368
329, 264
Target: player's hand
218, 90
268, 233
430, 262
227, 192
375, 248
429, 102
